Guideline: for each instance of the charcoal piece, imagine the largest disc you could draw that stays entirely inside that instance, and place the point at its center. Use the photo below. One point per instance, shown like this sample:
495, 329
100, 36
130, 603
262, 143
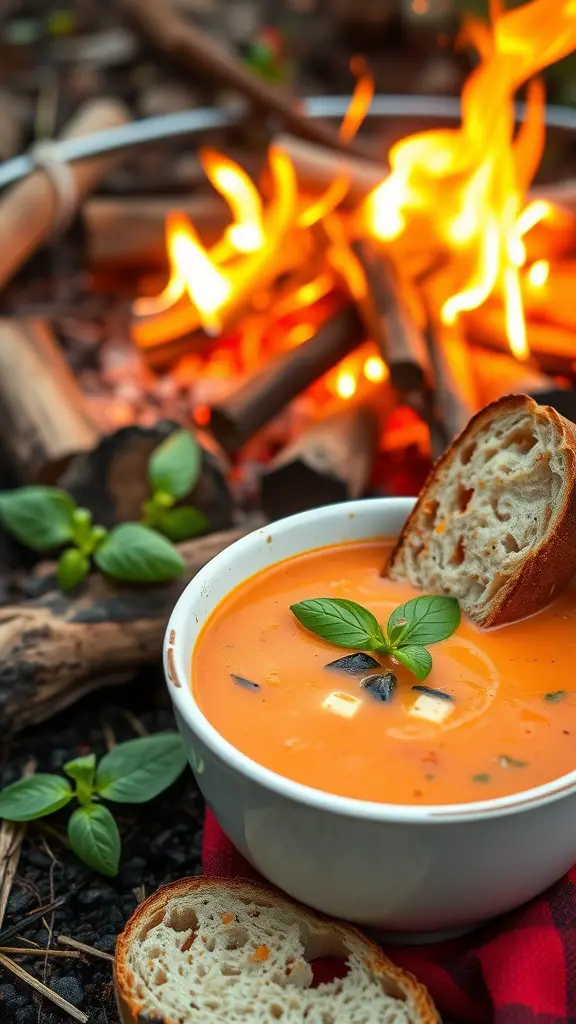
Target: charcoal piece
354, 664
246, 683
381, 687
433, 693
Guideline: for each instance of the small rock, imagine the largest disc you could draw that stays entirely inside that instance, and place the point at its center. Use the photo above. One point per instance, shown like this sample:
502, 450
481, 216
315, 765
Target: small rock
107, 943
133, 871
39, 859
96, 894
69, 988
10, 998
20, 901
25, 1015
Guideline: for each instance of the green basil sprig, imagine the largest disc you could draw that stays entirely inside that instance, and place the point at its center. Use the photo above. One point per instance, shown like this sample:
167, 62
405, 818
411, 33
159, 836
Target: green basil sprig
173, 472
411, 628
44, 518
132, 772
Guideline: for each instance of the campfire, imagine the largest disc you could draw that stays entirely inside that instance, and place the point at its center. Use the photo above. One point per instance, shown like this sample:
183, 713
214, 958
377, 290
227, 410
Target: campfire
387, 305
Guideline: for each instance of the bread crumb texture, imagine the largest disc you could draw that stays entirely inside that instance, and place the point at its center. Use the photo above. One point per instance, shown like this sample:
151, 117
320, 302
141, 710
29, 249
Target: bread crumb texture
235, 952
490, 505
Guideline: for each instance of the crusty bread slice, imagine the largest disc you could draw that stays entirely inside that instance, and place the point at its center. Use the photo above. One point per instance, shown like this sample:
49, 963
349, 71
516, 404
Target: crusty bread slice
495, 525
233, 952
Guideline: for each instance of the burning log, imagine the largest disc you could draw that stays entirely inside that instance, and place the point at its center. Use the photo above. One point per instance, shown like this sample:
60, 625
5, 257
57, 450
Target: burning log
331, 462
30, 211
193, 51
389, 321
132, 232
497, 375
455, 398
55, 650
236, 420
44, 417
552, 347
317, 168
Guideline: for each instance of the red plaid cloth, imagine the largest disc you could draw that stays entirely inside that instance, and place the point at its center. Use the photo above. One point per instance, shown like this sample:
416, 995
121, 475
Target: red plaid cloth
519, 970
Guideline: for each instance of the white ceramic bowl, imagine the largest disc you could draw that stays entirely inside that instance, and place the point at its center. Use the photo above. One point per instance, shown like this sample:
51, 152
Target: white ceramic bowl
397, 868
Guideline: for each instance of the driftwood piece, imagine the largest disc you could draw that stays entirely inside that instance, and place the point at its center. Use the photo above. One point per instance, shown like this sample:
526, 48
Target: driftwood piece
331, 462
55, 650
190, 49
239, 417
125, 232
44, 417
28, 210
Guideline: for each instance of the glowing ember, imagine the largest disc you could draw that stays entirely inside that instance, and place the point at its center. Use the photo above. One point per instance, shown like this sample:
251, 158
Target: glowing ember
538, 273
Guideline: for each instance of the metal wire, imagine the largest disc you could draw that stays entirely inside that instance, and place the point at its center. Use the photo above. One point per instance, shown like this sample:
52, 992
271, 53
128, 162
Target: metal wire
191, 122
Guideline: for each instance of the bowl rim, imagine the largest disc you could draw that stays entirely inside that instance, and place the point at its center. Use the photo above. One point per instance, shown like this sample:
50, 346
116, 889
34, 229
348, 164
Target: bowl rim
175, 667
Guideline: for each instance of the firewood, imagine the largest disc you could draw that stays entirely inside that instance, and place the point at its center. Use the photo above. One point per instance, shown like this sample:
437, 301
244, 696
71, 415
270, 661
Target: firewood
44, 417
497, 374
57, 649
331, 462
125, 232
194, 52
454, 397
317, 167
28, 210
235, 420
389, 321
551, 347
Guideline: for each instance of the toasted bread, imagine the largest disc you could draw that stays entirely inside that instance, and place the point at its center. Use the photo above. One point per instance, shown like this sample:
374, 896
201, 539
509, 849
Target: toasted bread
495, 524
230, 951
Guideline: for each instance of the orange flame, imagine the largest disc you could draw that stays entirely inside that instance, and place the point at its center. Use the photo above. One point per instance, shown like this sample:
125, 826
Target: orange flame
470, 182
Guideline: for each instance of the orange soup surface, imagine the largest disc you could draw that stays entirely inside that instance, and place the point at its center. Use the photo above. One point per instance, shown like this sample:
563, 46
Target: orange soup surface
512, 718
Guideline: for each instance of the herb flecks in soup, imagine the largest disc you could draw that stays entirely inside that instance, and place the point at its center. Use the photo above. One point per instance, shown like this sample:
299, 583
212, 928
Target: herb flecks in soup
496, 715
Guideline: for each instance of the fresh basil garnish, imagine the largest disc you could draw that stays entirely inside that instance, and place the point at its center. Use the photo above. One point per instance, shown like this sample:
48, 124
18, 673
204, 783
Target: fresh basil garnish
421, 621
341, 622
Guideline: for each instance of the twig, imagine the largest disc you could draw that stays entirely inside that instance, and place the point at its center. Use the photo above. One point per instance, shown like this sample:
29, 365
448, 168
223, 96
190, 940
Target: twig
22, 951
11, 839
37, 915
65, 940
133, 720
39, 986
50, 926
195, 52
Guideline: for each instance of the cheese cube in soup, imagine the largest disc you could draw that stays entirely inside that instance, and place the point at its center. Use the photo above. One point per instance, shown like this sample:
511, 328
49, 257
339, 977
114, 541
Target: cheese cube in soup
431, 709
341, 704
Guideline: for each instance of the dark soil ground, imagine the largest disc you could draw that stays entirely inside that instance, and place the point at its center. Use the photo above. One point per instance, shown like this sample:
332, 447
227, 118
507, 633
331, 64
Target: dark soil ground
161, 842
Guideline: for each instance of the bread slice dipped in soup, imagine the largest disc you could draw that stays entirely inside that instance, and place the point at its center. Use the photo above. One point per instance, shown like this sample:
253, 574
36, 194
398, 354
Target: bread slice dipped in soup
447, 677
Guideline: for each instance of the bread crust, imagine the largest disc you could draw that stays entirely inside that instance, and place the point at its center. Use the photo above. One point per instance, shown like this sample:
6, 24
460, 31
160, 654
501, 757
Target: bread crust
549, 568
129, 1007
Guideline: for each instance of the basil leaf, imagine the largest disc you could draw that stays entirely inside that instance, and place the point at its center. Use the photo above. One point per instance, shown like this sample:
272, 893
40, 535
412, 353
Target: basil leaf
416, 659
136, 553
181, 523
175, 465
39, 517
73, 567
95, 838
35, 797
429, 620
342, 622
82, 770
140, 769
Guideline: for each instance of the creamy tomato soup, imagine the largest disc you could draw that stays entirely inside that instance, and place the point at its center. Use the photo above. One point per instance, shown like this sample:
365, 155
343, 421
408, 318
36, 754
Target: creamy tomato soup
501, 717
